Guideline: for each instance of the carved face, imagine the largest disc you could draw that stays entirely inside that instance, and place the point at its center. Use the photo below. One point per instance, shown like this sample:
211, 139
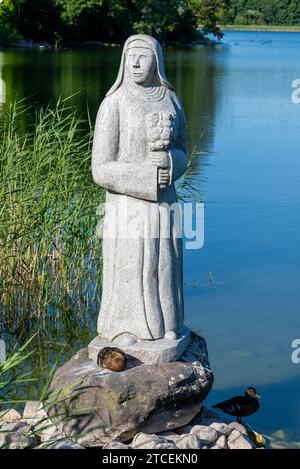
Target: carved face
140, 65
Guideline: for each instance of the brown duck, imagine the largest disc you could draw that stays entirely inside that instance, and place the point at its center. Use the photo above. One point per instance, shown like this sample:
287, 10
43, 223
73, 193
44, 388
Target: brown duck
112, 358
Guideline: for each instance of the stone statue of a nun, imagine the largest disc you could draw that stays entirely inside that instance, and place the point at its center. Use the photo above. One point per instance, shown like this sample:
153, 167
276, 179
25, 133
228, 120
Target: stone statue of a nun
139, 151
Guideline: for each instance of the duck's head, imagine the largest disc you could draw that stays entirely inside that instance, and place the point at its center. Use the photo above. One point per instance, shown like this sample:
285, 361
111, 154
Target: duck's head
251, 392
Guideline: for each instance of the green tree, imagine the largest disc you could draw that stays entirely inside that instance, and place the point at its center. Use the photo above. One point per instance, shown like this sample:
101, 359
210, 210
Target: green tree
263, 12
293, 14
165, 19
38, 19
115, 20
210, 13
111, 20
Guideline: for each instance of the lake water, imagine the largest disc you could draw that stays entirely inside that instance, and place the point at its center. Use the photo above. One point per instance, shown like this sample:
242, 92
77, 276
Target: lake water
242, 288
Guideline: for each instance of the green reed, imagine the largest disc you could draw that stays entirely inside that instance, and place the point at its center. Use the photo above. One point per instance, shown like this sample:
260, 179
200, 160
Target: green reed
50, 256
49, 253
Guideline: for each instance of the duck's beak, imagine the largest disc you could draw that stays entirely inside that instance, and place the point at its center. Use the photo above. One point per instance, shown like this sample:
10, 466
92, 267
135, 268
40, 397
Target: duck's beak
257, 396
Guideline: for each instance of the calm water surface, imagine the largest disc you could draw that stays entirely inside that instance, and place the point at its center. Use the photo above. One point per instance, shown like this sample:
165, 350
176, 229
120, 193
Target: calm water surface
242, 288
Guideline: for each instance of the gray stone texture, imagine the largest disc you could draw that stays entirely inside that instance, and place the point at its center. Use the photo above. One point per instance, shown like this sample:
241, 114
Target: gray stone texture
16, 436
139, 151
147, 351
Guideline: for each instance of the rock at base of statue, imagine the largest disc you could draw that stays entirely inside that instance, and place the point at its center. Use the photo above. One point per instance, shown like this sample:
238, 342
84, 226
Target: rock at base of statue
147, 351
94, 406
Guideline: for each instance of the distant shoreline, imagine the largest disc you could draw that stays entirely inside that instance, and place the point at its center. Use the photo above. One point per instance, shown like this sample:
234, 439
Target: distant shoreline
274, 28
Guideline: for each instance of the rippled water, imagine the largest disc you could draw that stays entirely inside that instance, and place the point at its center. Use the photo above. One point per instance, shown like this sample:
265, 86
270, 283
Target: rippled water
242, 288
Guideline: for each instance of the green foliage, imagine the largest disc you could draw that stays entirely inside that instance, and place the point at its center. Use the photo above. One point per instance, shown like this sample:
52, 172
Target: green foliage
109, 21
8, 37
38, 19
165, 20
209, 13
83, 19
8, 34
277, 12
105, 20
114, 20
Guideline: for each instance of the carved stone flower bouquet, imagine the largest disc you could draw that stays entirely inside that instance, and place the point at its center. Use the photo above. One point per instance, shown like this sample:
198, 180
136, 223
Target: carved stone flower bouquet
161, 131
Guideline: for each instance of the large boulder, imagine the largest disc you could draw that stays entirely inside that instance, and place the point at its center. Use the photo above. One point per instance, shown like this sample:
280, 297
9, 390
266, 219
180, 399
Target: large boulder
95, 406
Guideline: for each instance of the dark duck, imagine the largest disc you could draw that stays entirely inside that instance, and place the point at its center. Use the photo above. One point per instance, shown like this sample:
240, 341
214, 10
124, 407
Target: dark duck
241, 406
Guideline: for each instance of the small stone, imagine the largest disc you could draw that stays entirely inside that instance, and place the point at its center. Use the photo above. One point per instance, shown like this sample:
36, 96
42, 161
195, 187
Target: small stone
34, 410
207, 435
221, 443
35, 416
237, 426
220, 427
145, 441
115, 445
191, 441
16, 436
237, 440
47, 431
10, 416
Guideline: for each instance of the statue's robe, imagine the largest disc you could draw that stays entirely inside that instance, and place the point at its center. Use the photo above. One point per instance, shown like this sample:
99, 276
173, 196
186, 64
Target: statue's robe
142, 275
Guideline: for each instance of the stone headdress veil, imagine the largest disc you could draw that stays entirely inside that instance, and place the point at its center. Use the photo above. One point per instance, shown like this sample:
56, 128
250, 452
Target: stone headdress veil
152, 44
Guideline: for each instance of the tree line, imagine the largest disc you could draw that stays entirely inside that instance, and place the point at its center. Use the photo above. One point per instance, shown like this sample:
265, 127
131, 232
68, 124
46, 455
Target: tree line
260, 12
67, 21
64, 21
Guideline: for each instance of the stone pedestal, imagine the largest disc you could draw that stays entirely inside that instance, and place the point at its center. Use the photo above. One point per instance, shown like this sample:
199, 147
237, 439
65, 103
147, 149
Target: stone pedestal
147, 351
94, 406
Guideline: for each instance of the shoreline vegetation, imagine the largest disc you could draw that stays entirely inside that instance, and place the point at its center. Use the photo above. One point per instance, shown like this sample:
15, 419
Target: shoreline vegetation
32, 44
263, 27
202, 40
22, 43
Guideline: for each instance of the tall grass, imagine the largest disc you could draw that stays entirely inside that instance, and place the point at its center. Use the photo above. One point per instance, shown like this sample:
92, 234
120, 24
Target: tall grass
12, 377
49, 253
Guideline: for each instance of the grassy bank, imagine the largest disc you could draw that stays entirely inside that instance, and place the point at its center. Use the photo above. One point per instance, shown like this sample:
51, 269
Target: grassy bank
256, 27
49, 254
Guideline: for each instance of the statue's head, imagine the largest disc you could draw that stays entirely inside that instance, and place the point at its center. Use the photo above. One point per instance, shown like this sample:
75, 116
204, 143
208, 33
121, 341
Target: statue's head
141, 63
